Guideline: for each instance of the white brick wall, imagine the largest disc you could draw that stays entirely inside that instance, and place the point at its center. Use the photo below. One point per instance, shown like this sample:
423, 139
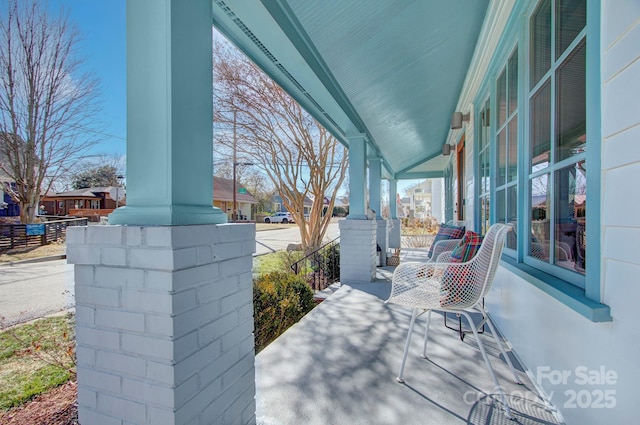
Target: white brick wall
357, 250
164, 324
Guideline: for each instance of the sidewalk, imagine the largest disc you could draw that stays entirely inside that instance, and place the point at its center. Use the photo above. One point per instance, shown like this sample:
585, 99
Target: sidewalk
32, 290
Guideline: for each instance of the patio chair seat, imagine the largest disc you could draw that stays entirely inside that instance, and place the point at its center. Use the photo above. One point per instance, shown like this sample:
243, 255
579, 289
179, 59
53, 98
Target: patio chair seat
453, 287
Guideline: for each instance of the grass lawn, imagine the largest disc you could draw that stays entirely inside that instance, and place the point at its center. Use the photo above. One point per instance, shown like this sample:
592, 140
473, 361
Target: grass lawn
280, 261
37, 252
34, 358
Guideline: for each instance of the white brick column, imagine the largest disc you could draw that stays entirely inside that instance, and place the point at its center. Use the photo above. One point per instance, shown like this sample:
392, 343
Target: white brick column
382, 237
395, 233
164, 322
357, 250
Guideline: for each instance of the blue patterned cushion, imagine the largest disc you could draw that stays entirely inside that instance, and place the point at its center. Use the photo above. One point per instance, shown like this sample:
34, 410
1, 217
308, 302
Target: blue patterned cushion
447, 232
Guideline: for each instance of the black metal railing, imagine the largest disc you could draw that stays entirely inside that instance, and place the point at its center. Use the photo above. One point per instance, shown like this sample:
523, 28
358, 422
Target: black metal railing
321, 267
13, 236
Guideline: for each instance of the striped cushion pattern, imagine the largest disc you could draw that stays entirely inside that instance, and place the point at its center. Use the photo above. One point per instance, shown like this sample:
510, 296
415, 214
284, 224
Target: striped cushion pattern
467, 248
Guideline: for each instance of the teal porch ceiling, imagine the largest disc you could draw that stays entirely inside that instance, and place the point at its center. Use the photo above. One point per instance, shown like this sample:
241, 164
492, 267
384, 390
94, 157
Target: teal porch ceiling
390, 69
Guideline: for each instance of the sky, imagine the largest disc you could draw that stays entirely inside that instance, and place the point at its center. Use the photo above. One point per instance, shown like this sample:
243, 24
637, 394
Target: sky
103, 25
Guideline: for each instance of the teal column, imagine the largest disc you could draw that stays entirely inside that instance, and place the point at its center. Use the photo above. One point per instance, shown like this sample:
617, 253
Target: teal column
357, 178
375, 178
169, 114
393, 194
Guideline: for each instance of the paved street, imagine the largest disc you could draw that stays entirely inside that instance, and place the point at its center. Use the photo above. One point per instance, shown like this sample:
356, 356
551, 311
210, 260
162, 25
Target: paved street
33, 290
278, 240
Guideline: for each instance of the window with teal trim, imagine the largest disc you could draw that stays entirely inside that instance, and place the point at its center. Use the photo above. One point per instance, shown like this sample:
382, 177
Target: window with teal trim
506, 174
484, 167
557, 142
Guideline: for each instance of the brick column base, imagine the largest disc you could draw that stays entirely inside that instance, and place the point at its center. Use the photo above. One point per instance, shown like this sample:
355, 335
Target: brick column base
164, 322
357, 250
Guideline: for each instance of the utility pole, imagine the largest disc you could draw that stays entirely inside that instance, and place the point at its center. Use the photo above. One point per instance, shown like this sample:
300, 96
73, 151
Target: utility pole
234, 216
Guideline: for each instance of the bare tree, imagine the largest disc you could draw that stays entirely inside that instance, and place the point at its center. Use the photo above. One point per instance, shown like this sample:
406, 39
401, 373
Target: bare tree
45, 102
300, 157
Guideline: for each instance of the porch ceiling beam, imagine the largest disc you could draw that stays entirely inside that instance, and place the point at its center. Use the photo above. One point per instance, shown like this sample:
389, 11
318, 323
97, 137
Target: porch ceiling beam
417, 163
420, 175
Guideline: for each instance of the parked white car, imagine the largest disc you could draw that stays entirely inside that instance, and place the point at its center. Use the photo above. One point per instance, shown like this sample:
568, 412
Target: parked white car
280, 217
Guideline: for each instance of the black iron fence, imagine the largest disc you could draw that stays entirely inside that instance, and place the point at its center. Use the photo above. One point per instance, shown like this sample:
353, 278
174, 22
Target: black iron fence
14, 236
320, 268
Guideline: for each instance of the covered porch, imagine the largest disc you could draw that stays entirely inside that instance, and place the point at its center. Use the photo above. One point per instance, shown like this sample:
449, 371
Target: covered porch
470, 91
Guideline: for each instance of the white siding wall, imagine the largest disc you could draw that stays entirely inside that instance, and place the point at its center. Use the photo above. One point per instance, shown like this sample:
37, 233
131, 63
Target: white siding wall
544, 332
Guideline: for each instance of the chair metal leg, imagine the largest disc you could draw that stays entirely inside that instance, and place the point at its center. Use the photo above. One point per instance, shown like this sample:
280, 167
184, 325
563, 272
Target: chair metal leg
501, 347
426, 335
414, 314
503, 398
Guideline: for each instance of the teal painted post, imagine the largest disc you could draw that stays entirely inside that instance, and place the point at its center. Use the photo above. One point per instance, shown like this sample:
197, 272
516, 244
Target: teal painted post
375, 177
393, 194
357, 173
169, 115
592, 288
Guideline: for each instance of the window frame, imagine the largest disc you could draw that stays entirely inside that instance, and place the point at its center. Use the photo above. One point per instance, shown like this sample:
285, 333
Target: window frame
549, 77
515, 116
586, 300
488, 150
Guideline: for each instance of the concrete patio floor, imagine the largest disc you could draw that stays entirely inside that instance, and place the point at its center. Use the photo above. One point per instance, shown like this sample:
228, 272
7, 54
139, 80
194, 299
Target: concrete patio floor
338, 366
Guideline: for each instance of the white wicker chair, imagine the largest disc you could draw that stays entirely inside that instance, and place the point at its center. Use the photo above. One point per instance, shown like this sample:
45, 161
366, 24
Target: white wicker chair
453, 287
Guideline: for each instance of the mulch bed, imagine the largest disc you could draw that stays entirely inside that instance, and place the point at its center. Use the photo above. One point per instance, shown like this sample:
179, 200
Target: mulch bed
56, 407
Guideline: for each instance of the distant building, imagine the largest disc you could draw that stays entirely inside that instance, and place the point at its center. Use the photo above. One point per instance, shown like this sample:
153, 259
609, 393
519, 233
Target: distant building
92, 202
425, 199
277, 204
223, 198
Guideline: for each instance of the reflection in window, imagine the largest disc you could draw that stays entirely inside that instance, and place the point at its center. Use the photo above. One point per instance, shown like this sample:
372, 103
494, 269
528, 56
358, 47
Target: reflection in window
571, 126
571, 17
540, 231
502, 98
484, 167
541, 127
512, 170
512, 215
485, 221
570, 216
502, 160
540, 42
513, 82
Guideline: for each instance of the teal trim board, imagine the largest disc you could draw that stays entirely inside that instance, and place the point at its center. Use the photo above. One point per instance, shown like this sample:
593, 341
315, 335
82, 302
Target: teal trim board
357, 174
569, 295
393, 192
375, 178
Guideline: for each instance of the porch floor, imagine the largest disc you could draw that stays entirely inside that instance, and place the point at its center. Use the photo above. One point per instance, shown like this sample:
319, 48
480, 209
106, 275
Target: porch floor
339, 363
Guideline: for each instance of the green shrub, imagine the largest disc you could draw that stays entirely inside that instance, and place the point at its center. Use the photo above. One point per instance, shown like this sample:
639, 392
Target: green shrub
279, 301
340, 212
